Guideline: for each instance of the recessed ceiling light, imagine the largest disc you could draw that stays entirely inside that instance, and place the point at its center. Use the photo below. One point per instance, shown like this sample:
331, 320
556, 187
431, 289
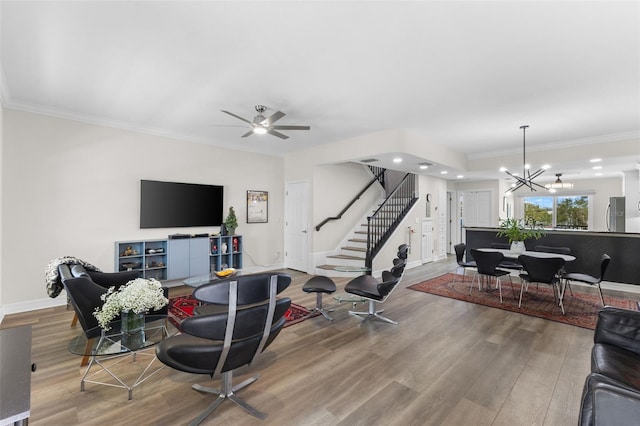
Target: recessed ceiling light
444, 172
423, 166
503, 169
460, 176
596, 167
397, 160
598, 174
595, 160
546, 166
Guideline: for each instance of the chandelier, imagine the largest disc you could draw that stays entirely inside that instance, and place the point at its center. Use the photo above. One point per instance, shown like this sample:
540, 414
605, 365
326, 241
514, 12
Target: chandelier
558, 184
527, 177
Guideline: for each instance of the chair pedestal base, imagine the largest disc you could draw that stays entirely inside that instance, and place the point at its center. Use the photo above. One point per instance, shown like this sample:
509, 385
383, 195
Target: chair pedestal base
227, 392
372, 314
320, 308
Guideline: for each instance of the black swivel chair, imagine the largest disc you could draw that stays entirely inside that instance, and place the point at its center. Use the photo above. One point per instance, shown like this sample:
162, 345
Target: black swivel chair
542, 270
216, 344
369, 288
488, 262
462, 264
590, 279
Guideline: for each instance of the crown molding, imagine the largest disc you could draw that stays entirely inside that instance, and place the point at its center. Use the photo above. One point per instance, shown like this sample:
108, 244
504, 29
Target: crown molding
611, 138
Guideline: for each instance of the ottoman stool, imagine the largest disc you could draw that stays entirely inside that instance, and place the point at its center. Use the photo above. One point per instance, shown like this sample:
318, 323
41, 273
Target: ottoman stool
320, 284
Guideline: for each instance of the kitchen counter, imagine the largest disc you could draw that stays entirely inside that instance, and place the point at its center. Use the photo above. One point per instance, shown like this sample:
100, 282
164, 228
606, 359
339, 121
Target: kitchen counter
586, 246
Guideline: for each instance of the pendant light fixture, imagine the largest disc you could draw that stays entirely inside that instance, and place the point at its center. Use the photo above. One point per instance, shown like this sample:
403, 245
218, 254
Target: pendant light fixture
558, 184
527, 177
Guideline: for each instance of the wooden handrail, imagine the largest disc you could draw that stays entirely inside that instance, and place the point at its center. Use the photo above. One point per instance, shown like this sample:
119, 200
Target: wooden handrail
356, 198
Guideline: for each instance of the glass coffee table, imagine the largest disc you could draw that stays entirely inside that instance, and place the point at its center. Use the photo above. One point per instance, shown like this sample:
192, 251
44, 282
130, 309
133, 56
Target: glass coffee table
199, 280
112, 347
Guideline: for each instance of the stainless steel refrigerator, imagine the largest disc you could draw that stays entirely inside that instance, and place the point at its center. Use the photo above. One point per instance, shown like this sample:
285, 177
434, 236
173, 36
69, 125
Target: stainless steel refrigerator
615, 214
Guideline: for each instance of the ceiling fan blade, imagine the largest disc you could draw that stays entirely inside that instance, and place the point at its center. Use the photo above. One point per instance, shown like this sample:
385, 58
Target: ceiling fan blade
249, 133
278, 134
236, 116
274, 117
288, 127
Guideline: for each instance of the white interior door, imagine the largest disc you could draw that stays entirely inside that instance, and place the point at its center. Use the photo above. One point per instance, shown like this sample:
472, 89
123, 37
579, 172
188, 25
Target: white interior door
296, 226
427, 241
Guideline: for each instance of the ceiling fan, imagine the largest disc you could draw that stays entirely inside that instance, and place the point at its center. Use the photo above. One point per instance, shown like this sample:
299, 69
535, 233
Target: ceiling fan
262, 124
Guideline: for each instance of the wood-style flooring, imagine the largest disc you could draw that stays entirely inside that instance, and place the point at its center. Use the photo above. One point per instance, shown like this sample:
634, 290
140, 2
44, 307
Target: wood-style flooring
447, 363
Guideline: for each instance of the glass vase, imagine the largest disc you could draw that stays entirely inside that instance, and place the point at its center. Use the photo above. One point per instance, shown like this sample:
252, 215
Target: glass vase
132, 326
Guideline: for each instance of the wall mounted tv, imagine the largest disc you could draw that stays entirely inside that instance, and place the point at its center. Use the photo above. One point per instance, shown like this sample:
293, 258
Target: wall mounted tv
176, 205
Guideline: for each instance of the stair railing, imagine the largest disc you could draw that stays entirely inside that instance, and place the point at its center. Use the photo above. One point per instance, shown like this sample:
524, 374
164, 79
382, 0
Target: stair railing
379, 177
387, 218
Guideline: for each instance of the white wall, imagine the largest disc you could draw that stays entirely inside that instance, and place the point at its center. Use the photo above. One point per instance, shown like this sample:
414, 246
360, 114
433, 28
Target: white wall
70, 188
1, 198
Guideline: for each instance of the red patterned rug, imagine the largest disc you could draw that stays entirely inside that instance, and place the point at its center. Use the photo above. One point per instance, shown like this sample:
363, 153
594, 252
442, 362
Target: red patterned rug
581, 309
182, 307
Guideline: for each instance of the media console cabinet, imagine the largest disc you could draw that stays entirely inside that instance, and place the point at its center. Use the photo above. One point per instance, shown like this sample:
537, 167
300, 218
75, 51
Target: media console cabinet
176, 258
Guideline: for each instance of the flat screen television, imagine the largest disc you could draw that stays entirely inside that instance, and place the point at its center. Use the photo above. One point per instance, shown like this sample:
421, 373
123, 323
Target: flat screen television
178, 205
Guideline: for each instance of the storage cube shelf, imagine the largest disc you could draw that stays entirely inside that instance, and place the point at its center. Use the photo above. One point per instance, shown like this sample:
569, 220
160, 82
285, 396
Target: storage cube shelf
148, 257
179, 258
225, 252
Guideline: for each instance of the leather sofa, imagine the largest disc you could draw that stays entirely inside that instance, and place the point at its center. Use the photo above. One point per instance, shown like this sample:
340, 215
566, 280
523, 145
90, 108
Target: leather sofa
611, 393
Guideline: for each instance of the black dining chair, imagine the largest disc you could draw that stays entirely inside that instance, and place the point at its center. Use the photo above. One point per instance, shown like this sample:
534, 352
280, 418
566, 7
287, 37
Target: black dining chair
462, 264
590, 279
542, 270
556, 250
507, 263
488, 262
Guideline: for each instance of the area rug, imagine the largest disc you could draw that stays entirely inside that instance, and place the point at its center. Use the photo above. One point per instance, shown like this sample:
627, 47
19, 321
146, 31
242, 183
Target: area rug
182, 307
581, 309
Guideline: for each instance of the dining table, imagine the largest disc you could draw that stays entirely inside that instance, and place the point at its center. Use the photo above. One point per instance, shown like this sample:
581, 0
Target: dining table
540, 254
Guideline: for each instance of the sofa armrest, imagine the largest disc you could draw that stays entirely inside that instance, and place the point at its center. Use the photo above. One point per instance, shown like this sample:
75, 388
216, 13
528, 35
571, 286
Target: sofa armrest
619, 327
615, 405
608, 402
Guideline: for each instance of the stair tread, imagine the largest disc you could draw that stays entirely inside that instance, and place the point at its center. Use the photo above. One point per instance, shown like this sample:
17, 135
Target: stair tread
353, 248
344, 256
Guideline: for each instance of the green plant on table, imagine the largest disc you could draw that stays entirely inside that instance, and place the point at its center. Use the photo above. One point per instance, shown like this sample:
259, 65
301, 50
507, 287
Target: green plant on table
517, 230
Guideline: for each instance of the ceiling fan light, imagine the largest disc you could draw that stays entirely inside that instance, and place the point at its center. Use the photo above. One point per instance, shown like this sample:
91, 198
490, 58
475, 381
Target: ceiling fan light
259, 130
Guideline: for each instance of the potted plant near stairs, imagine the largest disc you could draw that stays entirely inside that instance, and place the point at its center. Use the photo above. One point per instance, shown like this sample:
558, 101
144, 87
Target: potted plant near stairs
517, 232
231, 222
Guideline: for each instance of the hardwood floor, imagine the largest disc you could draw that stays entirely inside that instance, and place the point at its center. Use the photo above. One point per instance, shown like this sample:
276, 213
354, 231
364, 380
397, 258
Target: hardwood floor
447, 363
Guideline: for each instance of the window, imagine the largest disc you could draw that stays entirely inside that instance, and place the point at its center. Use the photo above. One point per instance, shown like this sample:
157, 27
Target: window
565, 212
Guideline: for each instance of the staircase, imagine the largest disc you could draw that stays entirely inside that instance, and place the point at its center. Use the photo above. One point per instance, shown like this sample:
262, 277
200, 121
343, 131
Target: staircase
353, 252
367, 239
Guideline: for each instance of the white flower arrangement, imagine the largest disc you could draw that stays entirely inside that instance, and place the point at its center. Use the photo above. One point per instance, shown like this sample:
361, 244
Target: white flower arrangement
139, 295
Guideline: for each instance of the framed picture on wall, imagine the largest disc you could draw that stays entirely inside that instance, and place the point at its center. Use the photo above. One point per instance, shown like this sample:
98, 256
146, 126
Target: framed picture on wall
257, 206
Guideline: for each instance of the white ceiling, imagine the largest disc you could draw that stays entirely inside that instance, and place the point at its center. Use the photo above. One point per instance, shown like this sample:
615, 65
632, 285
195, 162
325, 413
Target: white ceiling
466, 75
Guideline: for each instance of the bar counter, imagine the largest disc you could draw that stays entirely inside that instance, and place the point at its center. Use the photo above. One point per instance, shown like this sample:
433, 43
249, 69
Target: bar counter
586, 246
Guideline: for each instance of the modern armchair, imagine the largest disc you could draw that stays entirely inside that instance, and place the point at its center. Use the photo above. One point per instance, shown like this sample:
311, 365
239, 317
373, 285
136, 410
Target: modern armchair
217, 344
367, 287
611, 393
84, 290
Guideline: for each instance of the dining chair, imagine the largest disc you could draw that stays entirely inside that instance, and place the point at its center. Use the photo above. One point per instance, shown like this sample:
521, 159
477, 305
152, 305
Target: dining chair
556, 250
590, 279
487, 262
462, 264
542, 270
507, 263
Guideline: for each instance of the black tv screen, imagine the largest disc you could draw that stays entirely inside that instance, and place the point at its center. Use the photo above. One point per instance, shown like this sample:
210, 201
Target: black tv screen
176, 205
